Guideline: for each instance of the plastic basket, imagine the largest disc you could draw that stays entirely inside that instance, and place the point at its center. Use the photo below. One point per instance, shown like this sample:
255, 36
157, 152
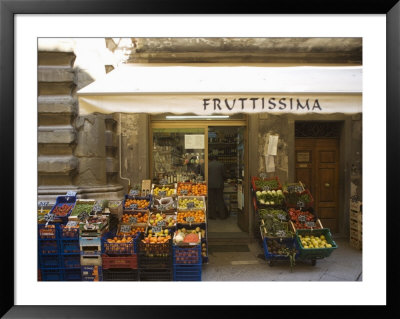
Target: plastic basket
155, 274
70, 246
73, 274
170, 186
47, 247
69, 232
136, 213
187, 254
167, 216
119, 248
189, 186
71, 261
90, 260
120, 275
293, 203
156, 249
52, 274
51, 231
64, 200
187, 272
90, 245
50, 261
75, 213
255, 188
148, 198
91, 273
111, 262
288, 242
315, 253
200, 198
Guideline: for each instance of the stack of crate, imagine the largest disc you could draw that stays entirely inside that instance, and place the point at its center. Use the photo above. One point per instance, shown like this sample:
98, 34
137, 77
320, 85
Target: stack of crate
70, 251
90, 258
49, 252
356, 224
120, 262
187, 263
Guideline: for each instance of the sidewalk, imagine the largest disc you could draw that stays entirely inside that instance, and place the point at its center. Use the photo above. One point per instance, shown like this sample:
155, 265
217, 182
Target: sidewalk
344, 264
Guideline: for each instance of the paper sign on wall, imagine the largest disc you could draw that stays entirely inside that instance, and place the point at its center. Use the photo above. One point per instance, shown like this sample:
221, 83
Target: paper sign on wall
194, 141
272, 144
269, 163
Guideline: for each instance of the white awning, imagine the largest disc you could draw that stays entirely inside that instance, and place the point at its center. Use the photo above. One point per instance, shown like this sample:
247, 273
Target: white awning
207, 89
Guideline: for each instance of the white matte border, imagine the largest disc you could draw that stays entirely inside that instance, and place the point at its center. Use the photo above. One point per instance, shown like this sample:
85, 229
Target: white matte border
372, 290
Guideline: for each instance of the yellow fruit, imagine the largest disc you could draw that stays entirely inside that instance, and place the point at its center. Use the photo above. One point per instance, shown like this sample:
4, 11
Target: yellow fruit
328, 245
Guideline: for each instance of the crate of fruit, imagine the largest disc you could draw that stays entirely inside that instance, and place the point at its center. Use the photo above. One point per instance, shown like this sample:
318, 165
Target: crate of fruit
189, 255
191, 189
164, 205
195, 217
184, 237
160, 191
302, 199
119, 245
63, 207
273, 227
163, 220
190, 203
133, 202
270, 198
48, 231
81, 205
315, 244
136, 217
70, 230
156, 242
131, 230
265, 184
303, 219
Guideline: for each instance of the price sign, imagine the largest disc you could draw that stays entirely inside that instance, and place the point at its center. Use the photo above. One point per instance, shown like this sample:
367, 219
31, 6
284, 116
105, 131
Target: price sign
190, 219
263, 175
281, 217
132, 219
302, 218
134, 192
125, 229
162, 193
184, 191
83, 216
49, 218
161, 223
310, 224
72, 223
281, 233
97, 208
42, 204
300, 204
133, 206
156, 229
71, 193
190, 205
266, 188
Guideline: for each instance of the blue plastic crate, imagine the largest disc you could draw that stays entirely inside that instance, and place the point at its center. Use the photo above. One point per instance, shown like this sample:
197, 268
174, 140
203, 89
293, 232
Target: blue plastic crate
56, 274
61, 200
71, 261
187, 254
187, 272
121, 248
69, 232
49, 247
91, 273
73, 274
70, 246
289, 242
49, 261
49, 231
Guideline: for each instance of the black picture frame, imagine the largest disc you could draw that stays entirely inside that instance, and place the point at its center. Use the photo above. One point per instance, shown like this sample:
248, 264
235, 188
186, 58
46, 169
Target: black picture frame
8, 10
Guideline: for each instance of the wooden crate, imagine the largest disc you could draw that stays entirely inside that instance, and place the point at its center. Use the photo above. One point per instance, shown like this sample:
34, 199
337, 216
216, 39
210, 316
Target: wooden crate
356, 206
356, 243
355, 224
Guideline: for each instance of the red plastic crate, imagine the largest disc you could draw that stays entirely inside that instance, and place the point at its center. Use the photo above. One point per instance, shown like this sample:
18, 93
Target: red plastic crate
255, 178
120, 262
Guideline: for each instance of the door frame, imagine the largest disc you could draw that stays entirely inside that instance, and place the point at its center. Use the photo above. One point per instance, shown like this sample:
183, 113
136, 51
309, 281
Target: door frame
345, 138
205, 124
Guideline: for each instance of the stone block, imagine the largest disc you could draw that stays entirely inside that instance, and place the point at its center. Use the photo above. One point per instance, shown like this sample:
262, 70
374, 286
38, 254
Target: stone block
55, 74
112, 165
91, 137
56, 58
92, 171
56, 134
63, 104
56, 88
57, 164
111, 139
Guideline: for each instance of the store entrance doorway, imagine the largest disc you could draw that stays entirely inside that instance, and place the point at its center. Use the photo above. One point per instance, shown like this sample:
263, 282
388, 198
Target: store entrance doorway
226, 145
317, 166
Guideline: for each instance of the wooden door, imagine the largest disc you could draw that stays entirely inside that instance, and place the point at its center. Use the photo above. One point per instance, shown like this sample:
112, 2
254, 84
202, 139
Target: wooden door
317, 166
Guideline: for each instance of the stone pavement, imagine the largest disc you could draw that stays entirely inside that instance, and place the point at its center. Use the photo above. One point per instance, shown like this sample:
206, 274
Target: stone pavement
344, 264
